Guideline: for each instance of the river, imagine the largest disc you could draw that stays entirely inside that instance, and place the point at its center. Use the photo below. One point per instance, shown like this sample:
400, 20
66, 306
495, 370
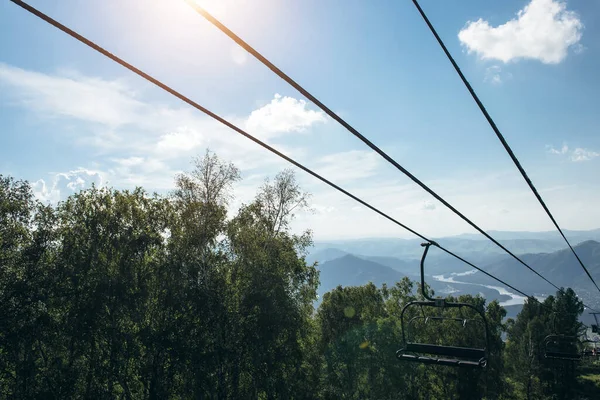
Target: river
514, 300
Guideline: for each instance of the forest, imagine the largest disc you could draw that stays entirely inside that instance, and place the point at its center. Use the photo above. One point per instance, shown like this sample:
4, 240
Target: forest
124, 294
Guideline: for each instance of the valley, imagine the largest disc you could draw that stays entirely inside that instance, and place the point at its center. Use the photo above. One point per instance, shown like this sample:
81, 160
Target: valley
357, 262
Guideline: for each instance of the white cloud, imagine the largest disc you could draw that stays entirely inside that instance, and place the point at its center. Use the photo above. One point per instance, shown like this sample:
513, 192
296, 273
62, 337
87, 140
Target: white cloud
323, 209
555, 188
543, 30
149, 143
580, 154
148, 172
66, 183
428, 205
282, 115
579, 48
147, 165
130, 162
91, 99
577, 154
348, 166
563, 150
139, 142
493, 201
176, 143
495, 75
130, 123
492, 74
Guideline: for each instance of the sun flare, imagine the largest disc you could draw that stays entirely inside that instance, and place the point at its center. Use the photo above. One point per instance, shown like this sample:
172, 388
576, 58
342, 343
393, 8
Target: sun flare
215, 7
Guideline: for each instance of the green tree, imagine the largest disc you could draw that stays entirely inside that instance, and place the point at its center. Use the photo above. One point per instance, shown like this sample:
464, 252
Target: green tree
117, 294
534, 375
272, 290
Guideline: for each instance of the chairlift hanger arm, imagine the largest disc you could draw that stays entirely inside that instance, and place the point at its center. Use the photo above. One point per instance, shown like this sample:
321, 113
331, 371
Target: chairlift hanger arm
423, 291
595, 317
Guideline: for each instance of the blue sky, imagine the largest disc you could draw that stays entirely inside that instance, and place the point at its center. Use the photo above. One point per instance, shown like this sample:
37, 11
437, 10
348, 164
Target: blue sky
70, 117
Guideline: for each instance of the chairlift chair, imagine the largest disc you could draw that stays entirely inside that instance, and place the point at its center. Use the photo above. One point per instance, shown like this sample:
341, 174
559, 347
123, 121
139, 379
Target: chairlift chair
595, 326
587, 352
427, 353
562, 347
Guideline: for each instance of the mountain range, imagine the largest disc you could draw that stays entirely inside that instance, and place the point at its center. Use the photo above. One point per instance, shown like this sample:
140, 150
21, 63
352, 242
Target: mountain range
357, 262
560, 267
350, 270
465, 244
573, 236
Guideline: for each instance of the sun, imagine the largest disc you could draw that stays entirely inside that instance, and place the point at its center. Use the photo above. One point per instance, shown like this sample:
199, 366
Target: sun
214, 7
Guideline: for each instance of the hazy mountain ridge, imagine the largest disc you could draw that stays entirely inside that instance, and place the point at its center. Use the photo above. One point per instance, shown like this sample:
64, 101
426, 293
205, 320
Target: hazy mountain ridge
409, 268
560, 267
325, 254
350, 270
357, 262
410, 249
402, 253
406, 249
572, 235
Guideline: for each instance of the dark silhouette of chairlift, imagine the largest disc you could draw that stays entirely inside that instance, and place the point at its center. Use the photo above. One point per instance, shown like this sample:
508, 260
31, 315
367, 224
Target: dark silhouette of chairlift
595, 326
588, 352
469, 357
561, 346
585, 352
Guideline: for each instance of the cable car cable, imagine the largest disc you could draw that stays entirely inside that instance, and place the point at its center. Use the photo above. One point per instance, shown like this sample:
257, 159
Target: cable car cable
500, 136
197, 106
351, 129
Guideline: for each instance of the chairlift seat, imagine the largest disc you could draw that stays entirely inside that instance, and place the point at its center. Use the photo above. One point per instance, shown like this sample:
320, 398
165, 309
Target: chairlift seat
562, 355
443, 361
449, 351
463, 321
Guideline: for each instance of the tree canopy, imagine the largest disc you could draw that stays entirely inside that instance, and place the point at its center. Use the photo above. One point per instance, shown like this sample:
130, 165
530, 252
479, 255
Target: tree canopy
118, 294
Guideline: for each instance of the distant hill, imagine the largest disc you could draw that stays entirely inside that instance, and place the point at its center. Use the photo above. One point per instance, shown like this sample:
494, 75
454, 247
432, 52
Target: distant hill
517, 246
411, 249
560, 267
408, 268
474, 246
350, 270
573, 236
324, 255
357, 262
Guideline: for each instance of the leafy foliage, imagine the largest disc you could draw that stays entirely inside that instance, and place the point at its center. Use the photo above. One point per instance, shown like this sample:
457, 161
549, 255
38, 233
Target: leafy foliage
126, 295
